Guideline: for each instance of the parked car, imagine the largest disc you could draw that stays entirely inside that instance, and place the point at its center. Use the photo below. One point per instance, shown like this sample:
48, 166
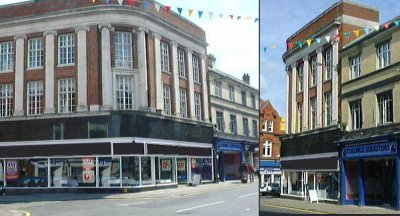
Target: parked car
275, 188
29, 182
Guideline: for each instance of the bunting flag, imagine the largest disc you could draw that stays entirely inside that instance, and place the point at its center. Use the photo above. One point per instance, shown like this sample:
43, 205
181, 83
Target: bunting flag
357, 32
376, 28
120, 2
367, 30
265, 49
157, 6
274, 46
290, 45
337, 37
146, 5
132, 3
309, 42
238, 18
387, 25
318, 40
210, 14
190, 12
167, 8
300, 44
180, 10
347, 35
328, 38
200, 13
256, 20
397, 23
107, 1
231, 16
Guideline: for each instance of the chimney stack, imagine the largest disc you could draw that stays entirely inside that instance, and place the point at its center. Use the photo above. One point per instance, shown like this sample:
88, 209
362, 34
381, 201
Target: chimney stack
246, 78
211, 61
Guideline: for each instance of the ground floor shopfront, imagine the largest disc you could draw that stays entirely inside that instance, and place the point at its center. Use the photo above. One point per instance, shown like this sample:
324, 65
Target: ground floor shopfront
103, 163
270, 172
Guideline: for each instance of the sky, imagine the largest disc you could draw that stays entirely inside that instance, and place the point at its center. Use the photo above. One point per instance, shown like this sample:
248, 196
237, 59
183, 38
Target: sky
234, 43
279, 19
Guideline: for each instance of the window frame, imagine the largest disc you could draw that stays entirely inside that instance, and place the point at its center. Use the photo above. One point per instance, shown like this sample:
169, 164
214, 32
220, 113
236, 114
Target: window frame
244, 98
36, 97
218, 89
328, 63
167, 99
314, 71
181, 63
219, 121
123, 50
196, 68
6, 57
355, 108
70, 95
36, 53
328, 108
125, 95
246, 129
197, 106
383, 53
355, 67
6, 100
164, 52
313, 113
231, 90
267, 148
183, 103
233, 124
69, 47
385, 108
300, 75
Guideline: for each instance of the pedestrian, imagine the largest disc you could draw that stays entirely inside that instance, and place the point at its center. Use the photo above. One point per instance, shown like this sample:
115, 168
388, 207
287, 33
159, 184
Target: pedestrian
2, 189
243, 172
250, 170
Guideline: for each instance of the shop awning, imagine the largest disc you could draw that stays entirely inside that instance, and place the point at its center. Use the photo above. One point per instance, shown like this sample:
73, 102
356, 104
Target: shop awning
267, 164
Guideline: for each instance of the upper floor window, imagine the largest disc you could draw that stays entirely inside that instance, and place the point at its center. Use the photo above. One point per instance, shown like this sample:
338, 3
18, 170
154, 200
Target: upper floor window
6, 56
267, 147
313, 113
66, 49
356, 114
300, 74
97, 130
167, 99
219, 121
355, 67
164, 56
253, 101
233, 124
244, 99
328, 108
197, 105
245, 127
183, 102
385, 107
300, 117
231, 93
35, 98
66, 95
123, 50
270, 125
314, 73
218, 89
264, 125
58, 131
255, 128
124, 94
35, 53
328, 63
6, 100
181, 63
196, 68
384, 54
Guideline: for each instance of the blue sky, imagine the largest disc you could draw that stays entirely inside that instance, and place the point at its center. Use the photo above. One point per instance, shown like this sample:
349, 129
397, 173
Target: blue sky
281, 18
234, 43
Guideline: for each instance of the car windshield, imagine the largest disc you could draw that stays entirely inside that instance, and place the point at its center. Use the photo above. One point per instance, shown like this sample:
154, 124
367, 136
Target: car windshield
275, 184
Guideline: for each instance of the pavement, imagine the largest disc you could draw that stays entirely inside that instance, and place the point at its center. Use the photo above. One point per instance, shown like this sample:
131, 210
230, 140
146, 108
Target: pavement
302, 206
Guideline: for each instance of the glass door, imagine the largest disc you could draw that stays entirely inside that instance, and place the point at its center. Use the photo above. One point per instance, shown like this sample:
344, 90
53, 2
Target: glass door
181, 166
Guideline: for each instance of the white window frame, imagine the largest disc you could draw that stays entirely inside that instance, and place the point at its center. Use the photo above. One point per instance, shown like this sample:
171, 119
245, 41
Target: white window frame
218, 89
300, 116
233, 124
231, 93
264, 126
384, 55
219, 121
197, 105
355, 67
123, 50
6, 56
328, 108
313, 113
255, 128
244, 98
328, 63
6, 100
246, 129
66, 43
267, 149
385, 108
355, 108
66, 95
164, 56
196, 69
253, 101
314, 72
34, 98
183, 102
181, 63
124, 92
300, 74
270, 126
35, 53
167, 99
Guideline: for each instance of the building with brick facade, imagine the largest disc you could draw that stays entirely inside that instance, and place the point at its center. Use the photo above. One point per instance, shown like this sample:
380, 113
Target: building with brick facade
270, 145
97, 95
370, 106
234, 113
309, 156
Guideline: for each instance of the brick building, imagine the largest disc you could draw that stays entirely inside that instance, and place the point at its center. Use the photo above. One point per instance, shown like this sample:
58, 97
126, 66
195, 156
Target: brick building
97, 95
309, 156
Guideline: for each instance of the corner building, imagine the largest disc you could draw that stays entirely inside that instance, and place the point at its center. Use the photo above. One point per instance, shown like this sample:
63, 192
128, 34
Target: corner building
309, 157
101, 96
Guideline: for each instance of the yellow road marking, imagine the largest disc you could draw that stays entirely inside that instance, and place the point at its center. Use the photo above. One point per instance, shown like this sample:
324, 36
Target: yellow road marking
296, 209
20, 211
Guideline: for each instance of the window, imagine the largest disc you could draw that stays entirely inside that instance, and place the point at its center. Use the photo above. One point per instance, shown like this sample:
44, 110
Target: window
244, 100
385, 107
197, 105
314, 73
267, 149
6, 56
183, 103
97, 130
328, 108
66, 95
218, 89
66, 49
300, 117
255, 128
6, 100
253, 101
356, 114
233, 124
220, 121
196, 69
383, 52
35, 53
58, 132
231, 93
300, 74
270, 125
355, 67
123, 50
167, 99
181, 63
328, 63
264, 125
164, 56
245, 127
313, 113
124, 93
35, 98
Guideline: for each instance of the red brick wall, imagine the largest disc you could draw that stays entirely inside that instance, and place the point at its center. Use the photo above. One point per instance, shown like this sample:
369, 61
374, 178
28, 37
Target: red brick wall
94, 66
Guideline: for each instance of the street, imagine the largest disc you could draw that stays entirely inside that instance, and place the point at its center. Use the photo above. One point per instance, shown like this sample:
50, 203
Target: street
268, 208
212, 199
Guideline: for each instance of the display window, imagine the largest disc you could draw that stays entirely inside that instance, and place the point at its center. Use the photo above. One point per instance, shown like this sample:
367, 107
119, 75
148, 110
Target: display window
109, 172
73, 172
231, 165
181, 168
146, 170
202, 166
26, 173
165, 170
130, 171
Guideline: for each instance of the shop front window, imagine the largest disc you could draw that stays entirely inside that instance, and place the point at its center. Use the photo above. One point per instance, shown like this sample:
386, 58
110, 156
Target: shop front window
130, 171
109, 172
25, 173
327, 185
73, 172
146, 170
181, 167
352, 189
165, 170
203, 167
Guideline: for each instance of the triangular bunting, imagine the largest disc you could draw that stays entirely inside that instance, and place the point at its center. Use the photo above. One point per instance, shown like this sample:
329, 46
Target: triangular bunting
387, 25
274, 46
210, 14
180, 10
238, 18
309, 42
231, 16
290, 45
200, 13
318, 40
106, 1
146, 5
190, 12
132, 3
256, 20
346, 34
265, 49
300, 44
247, 18
157, 6
328, 38
367, 30
337, 37
120, 2
397, 23
167, 8
357, 32
376, 27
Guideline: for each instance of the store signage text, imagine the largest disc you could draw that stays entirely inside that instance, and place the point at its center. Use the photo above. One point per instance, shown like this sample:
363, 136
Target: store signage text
229, 147
370, 150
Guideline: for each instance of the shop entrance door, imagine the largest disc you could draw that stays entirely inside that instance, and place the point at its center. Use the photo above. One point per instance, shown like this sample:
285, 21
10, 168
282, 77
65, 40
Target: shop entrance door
389, 181
182, 171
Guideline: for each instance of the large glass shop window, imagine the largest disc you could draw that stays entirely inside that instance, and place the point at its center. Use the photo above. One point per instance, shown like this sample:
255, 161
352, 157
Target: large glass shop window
181, 166
352, 188
203, 167
130, 171
109, 172
26, 173
165, 170
146, 170
73, 172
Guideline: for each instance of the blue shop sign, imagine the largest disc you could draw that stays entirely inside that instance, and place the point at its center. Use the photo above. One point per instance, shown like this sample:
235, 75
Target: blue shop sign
223, 146
382, 149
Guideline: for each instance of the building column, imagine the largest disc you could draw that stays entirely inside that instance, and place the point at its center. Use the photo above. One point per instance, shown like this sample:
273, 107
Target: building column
142, 100
306, 100
204, 85
397, 182
175, 85
82, 69
294, 120
289, 126
106, 71
158, 75
361, 187
342, 182
319, 88
335, 82
49, 70
191, 83
19, 75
